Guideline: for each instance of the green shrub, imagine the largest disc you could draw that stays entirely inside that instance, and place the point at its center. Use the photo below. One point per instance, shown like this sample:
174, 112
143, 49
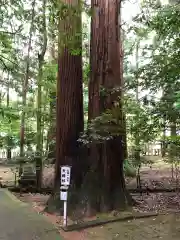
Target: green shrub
129, 169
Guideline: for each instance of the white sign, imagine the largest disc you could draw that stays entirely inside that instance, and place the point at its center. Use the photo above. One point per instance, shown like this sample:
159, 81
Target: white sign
63, 195
65, 175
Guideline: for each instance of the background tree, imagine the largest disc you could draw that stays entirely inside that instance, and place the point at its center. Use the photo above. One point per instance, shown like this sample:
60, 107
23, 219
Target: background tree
39, 146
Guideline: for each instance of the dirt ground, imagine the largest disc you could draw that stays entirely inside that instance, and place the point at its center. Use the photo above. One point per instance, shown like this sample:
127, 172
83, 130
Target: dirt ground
165, 226
158, 175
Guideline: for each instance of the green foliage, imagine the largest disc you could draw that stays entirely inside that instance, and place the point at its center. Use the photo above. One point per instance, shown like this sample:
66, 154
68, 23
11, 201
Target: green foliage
172, 144
140, 122
155, 30
49, 76
162, 71
158, 71
15, 21
104, 127
129, 169
86, 73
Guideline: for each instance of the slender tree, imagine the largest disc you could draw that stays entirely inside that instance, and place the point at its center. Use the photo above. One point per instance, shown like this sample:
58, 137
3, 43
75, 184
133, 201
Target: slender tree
9, 120
25, 83
39, 146
137, 138
51, 135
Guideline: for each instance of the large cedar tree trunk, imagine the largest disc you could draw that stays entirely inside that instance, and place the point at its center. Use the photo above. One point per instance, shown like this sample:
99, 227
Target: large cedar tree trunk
69, 119
107, 159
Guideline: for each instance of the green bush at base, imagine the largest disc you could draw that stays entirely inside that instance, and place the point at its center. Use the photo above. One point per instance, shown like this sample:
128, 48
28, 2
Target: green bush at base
129, 169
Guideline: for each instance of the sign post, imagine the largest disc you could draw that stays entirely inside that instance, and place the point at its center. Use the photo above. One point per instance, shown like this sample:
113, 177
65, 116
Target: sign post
65, 182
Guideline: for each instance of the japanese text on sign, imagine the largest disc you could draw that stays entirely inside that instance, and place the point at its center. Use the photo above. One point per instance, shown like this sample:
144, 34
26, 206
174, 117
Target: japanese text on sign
65, 175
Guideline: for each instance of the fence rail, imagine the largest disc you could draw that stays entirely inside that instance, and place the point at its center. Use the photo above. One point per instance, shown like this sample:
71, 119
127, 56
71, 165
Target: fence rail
3, 153
148, 152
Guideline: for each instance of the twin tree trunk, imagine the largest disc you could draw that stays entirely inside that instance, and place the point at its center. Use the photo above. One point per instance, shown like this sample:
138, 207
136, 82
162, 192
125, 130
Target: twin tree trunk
106, 185
107, 159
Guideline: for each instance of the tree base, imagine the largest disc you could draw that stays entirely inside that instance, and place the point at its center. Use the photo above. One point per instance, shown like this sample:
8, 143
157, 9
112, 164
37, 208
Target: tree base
54, 204
91, 199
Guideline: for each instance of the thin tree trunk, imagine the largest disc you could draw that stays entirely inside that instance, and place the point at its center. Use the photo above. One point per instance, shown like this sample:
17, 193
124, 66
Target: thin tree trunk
137, 140
121, 72
39, 147
173, 150
25, 86
8, 136
163, 144
52, 127
51, 137
43, 121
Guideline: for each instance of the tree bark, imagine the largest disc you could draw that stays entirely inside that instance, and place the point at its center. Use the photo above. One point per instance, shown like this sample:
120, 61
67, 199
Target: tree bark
69, 119
107, 159
39, 147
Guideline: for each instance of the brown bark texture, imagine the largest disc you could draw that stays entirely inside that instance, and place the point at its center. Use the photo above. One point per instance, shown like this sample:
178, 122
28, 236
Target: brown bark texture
106, 72
69, 119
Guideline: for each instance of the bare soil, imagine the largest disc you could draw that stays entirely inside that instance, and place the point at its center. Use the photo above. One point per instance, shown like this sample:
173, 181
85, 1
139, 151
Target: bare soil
158, 175
165, 226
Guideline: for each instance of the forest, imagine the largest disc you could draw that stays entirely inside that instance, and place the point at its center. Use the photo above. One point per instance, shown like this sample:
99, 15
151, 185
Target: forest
82, 86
